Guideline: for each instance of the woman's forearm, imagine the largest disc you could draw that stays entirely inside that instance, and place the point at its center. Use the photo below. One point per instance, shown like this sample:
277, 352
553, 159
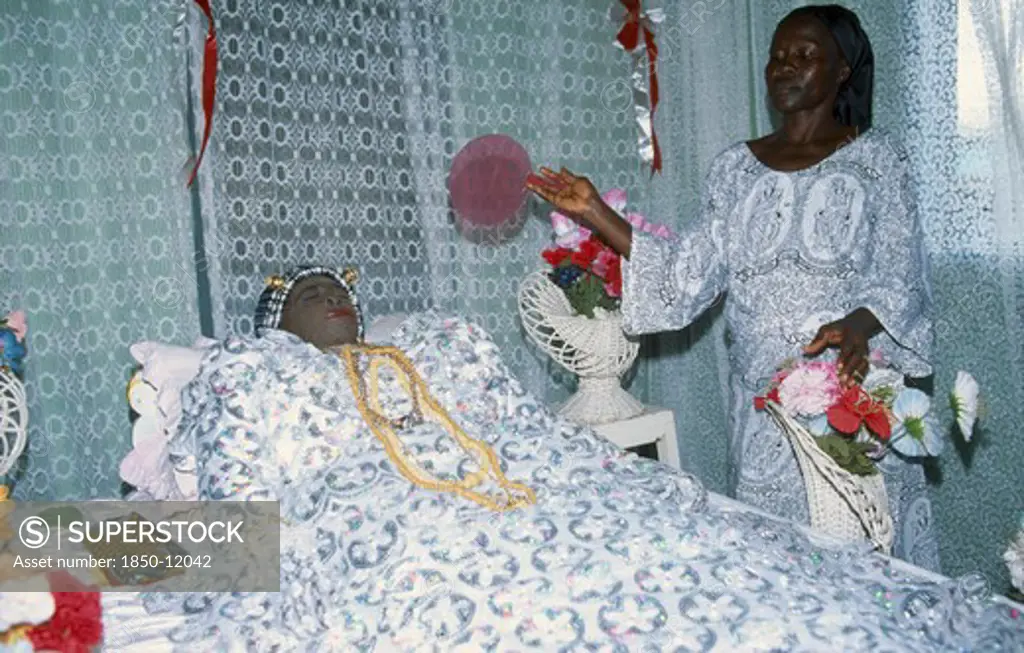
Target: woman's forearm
612, 229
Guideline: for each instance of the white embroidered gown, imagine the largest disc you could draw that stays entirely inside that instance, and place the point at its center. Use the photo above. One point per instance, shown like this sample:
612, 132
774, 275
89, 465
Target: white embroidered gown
790, 252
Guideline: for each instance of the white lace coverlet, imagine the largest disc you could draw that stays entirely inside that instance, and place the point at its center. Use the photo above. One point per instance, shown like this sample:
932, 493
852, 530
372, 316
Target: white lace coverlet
619, 553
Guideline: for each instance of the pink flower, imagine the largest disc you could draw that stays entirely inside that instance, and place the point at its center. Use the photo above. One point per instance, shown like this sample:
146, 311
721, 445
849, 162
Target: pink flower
822, 366
810, 389
603, 263
616, 199
612, 290
640, 223
16, 323
662, 231
568, 234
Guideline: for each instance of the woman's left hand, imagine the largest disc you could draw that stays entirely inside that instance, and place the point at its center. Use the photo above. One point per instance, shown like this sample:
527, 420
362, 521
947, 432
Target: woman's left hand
851, 334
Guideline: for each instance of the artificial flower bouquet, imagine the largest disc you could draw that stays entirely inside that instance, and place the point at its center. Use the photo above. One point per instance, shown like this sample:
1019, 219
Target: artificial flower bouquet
860, 425
587, 270
65, 619
12, 339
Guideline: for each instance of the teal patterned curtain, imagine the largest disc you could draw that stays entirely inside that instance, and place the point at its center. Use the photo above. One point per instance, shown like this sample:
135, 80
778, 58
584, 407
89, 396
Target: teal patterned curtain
309, 159
95, 221
336, 123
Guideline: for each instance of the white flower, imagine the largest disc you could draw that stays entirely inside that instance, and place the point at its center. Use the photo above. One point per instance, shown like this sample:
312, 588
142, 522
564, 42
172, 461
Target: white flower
914, 435
883, 377
615, 199
1014, 558
964, 401
25, 608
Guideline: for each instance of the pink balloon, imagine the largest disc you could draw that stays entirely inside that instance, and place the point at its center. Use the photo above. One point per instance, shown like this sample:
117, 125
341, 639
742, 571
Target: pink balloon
487, 181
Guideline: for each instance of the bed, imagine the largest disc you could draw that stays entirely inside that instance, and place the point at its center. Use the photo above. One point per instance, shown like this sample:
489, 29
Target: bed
647, 562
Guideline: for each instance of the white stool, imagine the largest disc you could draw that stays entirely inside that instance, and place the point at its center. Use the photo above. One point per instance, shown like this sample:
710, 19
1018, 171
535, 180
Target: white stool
657, 425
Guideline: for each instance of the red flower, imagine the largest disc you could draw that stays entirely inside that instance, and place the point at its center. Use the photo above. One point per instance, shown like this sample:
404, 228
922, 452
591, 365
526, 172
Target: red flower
588, 251
556, 256
76, 625
593, 246
614, 276
856, 407
596, 258
772, 396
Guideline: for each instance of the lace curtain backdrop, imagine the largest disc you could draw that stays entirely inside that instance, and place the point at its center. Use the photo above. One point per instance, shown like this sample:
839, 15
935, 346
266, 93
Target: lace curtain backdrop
309, 159
999, 40
335, 124
540, 73
94, 220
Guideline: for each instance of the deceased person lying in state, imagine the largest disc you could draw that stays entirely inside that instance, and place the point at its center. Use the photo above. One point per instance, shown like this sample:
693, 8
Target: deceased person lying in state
432, 504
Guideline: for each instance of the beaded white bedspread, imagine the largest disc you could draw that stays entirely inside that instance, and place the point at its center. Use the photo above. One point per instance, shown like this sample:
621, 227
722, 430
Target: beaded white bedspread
618, 554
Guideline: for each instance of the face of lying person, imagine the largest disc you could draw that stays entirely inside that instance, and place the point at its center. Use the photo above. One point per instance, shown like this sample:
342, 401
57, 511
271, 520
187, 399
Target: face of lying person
321, 312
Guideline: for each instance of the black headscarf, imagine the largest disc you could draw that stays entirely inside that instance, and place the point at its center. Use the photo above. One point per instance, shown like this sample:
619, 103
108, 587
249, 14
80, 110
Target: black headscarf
853, 104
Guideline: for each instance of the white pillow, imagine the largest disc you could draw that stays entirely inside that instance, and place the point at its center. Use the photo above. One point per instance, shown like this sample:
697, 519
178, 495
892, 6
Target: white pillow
169, 368
166, 370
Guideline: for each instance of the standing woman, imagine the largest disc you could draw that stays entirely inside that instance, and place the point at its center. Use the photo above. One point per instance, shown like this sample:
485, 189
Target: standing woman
812, 234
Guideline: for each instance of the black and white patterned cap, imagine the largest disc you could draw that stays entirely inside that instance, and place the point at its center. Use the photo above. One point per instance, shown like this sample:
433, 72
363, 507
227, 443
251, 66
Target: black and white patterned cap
272, 300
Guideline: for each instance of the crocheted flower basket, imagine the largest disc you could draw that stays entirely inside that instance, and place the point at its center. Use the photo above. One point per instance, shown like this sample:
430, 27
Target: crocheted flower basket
843, 505
13, 419
595, 349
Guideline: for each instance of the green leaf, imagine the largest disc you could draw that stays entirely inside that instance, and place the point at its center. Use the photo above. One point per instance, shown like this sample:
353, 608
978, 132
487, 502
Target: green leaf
848, 454
884, 394
608, 303
586, 294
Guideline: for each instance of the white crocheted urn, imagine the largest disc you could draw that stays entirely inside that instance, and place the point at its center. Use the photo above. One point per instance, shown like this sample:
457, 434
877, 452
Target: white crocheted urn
596, 350
13, 420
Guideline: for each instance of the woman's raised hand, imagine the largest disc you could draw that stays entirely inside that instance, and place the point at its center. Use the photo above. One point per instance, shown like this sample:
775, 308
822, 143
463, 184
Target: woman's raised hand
574, 196
577, 198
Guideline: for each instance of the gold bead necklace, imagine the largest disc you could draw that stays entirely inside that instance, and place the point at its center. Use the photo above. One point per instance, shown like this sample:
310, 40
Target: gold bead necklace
516, 495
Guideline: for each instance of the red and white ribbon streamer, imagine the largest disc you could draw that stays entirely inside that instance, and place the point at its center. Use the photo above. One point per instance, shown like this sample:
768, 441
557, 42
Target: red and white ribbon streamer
209, 82
637, 23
